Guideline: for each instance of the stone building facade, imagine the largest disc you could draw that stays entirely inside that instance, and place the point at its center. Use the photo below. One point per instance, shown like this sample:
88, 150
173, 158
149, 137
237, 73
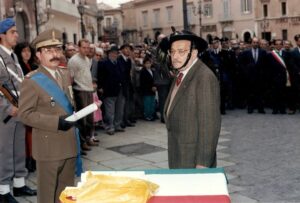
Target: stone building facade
278, 19
34, 16
235, 19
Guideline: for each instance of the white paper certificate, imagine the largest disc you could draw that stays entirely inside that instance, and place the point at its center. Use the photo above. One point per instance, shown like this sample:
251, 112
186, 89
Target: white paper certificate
82, 113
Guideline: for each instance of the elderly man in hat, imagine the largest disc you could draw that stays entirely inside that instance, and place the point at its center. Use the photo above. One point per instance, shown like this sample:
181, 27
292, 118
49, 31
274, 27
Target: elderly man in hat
192, 109
12, 139
45, 101
110, 84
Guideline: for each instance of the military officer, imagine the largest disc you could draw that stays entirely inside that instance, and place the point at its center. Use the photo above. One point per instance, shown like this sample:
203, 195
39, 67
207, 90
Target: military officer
12, 131
45, 100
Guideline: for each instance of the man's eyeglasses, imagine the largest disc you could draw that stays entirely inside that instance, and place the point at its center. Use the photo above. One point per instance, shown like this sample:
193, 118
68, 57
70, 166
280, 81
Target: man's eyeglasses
52, 50
180, 52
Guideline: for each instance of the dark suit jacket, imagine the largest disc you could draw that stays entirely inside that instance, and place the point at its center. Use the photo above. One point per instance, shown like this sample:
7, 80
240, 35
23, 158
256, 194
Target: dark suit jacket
193, 121
278, 71
147, 82
109, 78
254, 72
35, 110
294, 65
125, 67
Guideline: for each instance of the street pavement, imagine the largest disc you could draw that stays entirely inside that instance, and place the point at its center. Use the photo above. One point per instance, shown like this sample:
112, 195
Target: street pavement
260, 154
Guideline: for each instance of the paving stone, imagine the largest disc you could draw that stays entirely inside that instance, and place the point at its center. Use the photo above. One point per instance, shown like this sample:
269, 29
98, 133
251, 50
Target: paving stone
221, 155
237, 198
154, 157
222, 163
136, 149
124, 163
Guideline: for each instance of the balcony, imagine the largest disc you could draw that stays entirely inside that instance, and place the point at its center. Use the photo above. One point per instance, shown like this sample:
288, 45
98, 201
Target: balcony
225, 19
156, 25
64, 7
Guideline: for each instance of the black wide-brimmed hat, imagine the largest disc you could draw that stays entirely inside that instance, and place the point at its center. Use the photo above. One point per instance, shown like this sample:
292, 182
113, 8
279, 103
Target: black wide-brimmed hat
199, 43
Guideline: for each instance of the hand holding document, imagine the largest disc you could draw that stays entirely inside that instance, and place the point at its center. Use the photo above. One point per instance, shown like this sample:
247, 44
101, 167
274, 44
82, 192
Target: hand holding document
82, 113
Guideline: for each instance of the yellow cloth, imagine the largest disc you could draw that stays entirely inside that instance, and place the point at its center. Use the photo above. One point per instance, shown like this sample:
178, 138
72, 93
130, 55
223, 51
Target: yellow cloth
109, 189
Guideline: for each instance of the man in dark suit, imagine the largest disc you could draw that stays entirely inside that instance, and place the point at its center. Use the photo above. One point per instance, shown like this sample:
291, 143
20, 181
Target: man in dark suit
45, 101
124, 62
192, 109
253, 68
294, 64
280, 76
110, 84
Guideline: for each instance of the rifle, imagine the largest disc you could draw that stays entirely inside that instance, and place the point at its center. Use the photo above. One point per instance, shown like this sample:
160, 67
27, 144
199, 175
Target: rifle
10, 96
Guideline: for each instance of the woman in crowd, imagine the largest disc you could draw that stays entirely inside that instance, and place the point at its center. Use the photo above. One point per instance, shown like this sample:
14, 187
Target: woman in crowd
26, 57
148, 89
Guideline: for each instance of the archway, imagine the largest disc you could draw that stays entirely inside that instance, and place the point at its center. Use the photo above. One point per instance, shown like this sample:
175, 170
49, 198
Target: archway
247, 37
21, 22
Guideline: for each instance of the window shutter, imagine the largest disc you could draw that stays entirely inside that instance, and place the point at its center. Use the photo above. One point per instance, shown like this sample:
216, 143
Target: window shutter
242, 5
250, 6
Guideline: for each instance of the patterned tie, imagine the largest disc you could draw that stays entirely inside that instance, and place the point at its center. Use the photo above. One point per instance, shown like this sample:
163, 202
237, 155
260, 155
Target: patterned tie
58, 79
179, 78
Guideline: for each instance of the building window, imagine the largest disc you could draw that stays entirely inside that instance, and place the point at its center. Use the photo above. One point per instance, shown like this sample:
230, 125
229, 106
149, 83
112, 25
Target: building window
169, 13
265, 10
190, 13
246, 6
208, 10
108, 22
283, 8
226, 9
156, 14
145, 18
75, 38
284, 34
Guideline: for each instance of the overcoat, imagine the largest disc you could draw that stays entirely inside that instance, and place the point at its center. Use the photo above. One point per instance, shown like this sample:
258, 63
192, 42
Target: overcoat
193, 120
12, 134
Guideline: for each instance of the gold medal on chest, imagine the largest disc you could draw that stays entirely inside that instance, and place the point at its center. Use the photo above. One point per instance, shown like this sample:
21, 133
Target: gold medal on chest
52, 102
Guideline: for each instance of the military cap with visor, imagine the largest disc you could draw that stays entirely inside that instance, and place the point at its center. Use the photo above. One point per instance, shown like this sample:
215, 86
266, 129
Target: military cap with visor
48, 38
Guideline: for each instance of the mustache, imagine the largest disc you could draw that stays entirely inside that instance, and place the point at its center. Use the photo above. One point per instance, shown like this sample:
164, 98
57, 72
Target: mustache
55, 59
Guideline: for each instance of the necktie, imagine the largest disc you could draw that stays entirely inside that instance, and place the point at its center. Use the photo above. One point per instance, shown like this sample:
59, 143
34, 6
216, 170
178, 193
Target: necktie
12, 56
58, 79
179, 78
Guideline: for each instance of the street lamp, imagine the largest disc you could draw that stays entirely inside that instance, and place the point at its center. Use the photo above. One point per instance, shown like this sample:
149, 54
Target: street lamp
81, 9
17, 7
200, 17
199, 9
100, 17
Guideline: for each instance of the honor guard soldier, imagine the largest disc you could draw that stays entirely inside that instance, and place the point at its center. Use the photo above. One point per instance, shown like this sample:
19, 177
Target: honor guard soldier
45, 101
12, 131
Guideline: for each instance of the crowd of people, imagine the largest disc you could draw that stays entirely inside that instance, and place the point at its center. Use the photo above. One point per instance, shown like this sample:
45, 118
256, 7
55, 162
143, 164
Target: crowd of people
257, 75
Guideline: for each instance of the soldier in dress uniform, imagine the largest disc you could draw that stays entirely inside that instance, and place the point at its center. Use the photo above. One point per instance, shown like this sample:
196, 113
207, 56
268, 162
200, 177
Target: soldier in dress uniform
12, 131
45, 101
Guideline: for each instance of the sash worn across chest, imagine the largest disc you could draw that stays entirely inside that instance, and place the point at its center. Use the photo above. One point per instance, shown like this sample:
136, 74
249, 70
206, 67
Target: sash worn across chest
60, 97
54, 91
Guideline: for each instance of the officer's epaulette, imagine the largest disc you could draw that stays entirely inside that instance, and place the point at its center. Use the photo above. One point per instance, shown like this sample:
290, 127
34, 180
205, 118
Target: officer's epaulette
28, 75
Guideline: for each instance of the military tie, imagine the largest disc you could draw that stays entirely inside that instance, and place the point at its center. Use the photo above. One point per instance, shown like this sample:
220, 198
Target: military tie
12, 56
179, 78
58, 79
